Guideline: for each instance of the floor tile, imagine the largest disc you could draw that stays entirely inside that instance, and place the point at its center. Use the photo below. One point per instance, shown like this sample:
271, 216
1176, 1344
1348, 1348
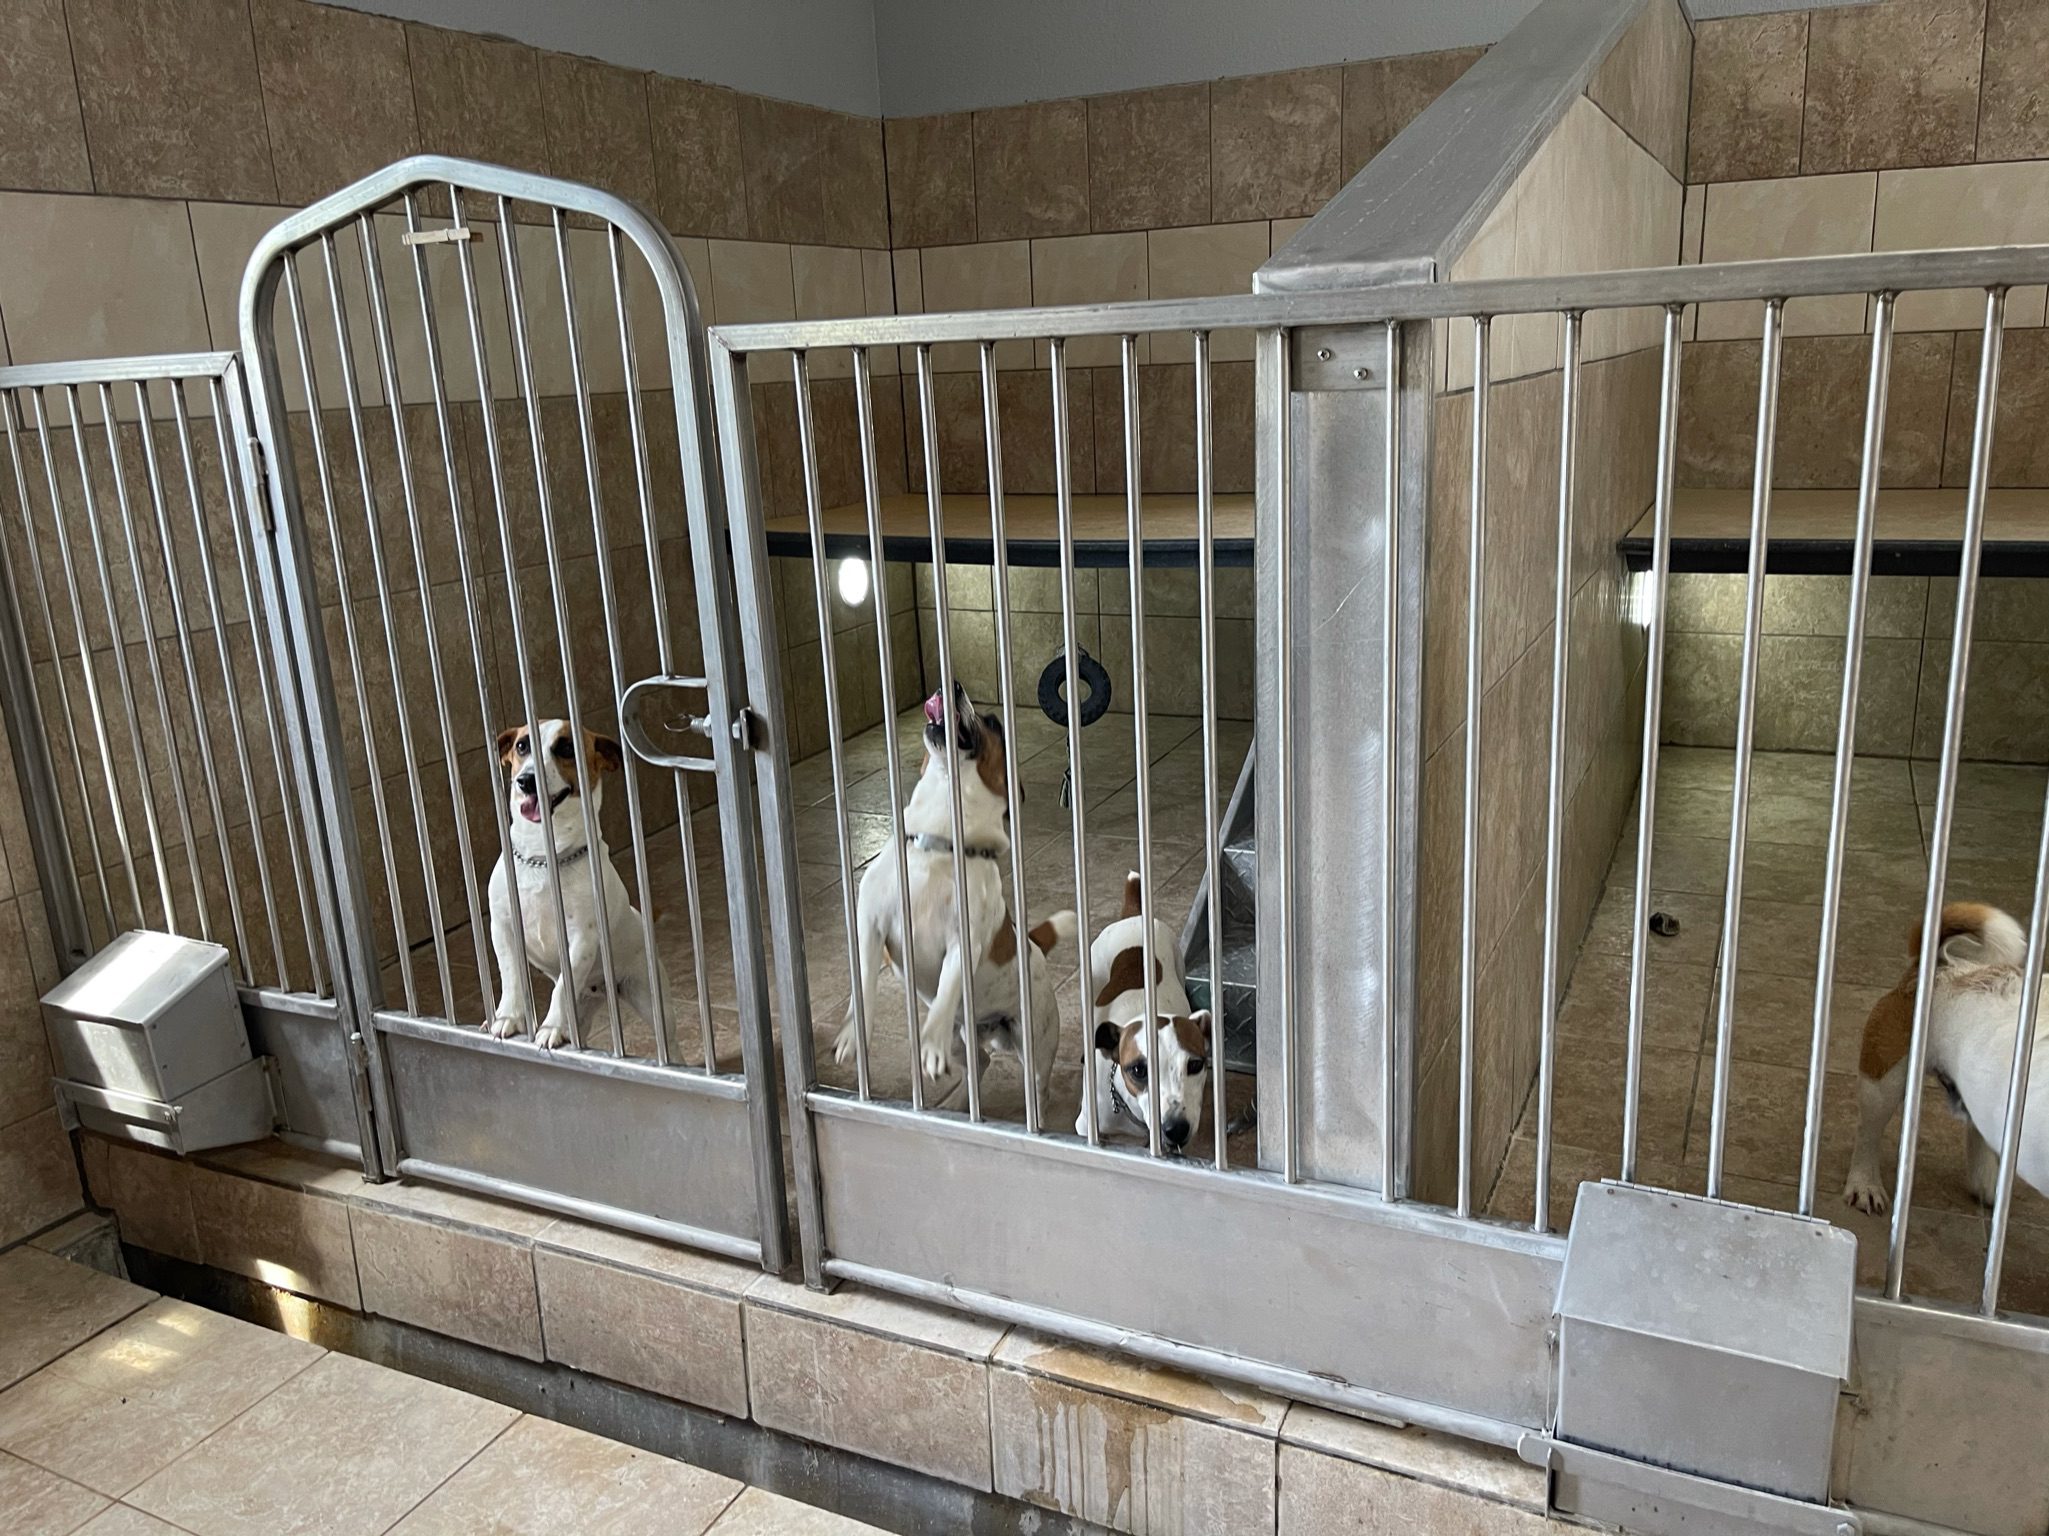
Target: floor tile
51, 1304
344, 1449
39, 1503
129, 1402
540, 1478
758, 1512
123, 1521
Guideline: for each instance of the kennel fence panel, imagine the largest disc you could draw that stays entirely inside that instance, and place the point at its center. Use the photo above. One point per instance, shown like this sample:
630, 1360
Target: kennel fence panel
481, 405
153, 728
1019, 1164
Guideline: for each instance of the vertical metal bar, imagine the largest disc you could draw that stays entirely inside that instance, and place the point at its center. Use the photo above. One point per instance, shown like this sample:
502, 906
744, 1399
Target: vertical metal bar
1275, 344
2017, 1081
658, 1017
1946, 783
120, 649
1476, 688
155, 481
344, 587
1063, 499
1390, 758
651, 536
871, 497
1846, 741
480, 649
523, 369
814, 511
1212, 808
1135, 544
1554, 811
458, 802
132, 547
240, 527
1647, 775
992, 428
78, 943
935, 510
1746, 736
373, 529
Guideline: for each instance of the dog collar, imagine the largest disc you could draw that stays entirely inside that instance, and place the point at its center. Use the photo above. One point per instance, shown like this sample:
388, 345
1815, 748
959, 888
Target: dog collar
925, 842
1119, 1106
540, 860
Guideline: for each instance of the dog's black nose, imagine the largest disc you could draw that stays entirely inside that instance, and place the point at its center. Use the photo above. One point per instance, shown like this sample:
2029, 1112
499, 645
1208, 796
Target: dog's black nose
1176, 1131
526, 783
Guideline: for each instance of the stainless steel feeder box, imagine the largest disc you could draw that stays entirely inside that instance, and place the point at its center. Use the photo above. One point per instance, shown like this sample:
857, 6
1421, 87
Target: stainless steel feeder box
151, 1047
1708, 1338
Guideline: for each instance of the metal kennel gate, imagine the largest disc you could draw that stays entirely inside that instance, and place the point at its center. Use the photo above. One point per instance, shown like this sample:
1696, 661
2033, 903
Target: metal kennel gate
479, 412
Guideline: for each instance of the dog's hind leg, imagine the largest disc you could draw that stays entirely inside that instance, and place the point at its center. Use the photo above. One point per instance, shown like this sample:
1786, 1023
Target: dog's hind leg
868, 963
1981, 1165
1878, 1100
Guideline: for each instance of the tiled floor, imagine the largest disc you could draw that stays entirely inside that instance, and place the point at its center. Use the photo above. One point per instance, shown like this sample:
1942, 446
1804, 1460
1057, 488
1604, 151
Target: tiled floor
129, 1414
1997, 823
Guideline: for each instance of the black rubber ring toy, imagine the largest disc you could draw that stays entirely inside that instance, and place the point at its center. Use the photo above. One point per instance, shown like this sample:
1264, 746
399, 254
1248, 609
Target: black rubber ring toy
1054, 678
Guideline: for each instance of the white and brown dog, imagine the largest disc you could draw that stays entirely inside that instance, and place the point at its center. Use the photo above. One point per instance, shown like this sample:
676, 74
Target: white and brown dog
979, 760
541, 771
1141, 1072
1971, 1021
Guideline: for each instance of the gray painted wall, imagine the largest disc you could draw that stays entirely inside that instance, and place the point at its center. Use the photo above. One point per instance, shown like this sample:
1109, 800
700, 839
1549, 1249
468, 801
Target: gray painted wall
906, 57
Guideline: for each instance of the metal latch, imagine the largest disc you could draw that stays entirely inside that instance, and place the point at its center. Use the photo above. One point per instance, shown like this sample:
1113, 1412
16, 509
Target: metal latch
449, 236
632, 705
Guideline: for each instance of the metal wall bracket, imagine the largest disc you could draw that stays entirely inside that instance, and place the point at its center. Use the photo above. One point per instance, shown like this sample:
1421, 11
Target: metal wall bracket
1654, 1501
1331, 357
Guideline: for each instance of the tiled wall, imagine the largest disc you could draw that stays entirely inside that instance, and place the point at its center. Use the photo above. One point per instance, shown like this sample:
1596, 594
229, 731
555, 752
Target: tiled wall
1905, 125
1603, 192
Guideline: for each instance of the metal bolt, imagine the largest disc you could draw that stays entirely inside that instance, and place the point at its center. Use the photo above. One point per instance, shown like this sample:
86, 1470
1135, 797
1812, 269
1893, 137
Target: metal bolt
1324, 354
1361, 373
1845, 1528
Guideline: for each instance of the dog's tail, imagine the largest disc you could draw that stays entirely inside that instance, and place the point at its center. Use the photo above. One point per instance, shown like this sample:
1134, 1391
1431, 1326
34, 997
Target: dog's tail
1061, 925
2000, 937
1133, 896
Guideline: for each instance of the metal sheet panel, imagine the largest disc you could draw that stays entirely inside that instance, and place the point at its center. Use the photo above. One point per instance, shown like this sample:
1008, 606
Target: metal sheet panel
1312, 1280
658, 1143
303, 1037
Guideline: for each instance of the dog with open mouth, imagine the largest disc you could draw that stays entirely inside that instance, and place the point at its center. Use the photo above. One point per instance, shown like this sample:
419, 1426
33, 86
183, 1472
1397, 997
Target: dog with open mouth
978, 761
544, 779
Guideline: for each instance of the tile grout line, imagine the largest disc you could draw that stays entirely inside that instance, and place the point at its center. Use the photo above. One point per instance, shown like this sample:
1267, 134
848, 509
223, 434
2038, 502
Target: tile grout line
503, 1431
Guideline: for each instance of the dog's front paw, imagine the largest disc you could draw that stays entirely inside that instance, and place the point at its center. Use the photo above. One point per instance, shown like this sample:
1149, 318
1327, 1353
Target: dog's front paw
843, 1045
504, 1025
1866, 1191
551, 1037
935, 1059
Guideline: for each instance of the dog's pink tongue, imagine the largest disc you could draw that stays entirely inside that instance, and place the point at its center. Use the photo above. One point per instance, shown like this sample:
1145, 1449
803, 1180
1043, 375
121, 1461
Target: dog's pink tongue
935, 710
530, 807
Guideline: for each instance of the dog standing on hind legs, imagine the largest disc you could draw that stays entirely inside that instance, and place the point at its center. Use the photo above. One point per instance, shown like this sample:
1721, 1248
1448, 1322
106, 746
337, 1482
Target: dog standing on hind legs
541, 772
978, 759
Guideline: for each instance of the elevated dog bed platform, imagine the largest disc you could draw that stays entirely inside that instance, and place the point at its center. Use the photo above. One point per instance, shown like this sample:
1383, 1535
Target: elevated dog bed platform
1919, 533
1032, 524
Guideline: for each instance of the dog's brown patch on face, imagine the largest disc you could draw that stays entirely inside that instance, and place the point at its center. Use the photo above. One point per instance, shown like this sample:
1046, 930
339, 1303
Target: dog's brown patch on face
510, 742
1134, 897
1003, 948
1127, 974
1045, 936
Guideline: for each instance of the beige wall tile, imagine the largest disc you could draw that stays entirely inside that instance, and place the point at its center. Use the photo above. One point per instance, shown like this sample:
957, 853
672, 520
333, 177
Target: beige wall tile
2006, 718
1149, 158
1284, 230
2020, 457
1383, 96
24, 1055
812, 175
337, 94
40, 1186
2013, 110
828, 282
931, 169
478, 97
151, 1197
753, 280
644, 1327
1644, 83
1455, 1465
1749, 89
1327, 1493
283, 1237
598, 126
993, 275
1693, 224
1275, 143
44, 147
167, 87
878, 297
1090, 269
97, 277
1125, 1465
1205, 260
452, 1279
1799, 678
1963, 205
1794, 216
1892, 84
1032, 170
698, 166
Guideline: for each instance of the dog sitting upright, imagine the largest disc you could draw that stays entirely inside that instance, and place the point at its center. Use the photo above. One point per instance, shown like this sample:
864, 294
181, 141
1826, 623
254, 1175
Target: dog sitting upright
1971, 1020
980, 760
550, 775
1131, 1078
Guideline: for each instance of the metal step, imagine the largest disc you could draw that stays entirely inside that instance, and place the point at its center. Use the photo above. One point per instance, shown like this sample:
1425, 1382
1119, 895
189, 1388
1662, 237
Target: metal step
1237, 882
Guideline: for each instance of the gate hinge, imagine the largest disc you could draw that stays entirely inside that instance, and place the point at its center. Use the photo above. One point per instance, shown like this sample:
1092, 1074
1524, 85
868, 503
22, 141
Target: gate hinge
748, 730
359, 1056
262, 465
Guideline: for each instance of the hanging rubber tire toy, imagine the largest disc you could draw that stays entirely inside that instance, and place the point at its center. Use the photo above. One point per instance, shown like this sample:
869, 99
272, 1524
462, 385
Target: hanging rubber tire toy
1092, 676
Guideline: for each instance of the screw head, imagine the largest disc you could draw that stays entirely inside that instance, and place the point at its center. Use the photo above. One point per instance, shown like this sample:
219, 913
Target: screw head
1845, 1528
1361, 373
1324, 354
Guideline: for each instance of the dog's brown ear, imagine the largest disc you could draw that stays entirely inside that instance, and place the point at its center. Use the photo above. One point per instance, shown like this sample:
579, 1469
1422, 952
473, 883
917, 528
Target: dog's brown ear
603, 751
1108, 1036
1200, 1019
506, 738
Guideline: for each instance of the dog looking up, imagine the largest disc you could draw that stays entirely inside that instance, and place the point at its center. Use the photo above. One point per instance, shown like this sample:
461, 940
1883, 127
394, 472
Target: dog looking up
1971, 1021
979, 759
1130, 1079
548, 780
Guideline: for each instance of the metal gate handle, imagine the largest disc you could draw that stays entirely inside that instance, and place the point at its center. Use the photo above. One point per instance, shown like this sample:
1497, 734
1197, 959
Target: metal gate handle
635, 730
